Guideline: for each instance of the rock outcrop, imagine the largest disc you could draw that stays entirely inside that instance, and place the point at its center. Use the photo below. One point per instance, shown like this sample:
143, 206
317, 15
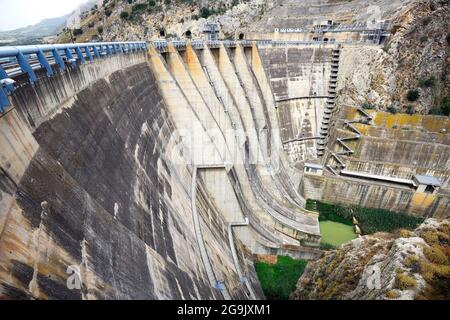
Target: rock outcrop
406, 265
414, 58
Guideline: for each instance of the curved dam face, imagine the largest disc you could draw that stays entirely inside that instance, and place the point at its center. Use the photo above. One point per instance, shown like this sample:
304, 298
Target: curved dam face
150, 175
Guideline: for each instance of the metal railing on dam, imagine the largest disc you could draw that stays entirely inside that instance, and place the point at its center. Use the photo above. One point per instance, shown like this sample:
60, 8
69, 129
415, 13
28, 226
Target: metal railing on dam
15, 61
26, 59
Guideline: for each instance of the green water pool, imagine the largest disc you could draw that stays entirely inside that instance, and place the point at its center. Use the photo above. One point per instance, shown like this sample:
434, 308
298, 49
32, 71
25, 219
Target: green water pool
336, 233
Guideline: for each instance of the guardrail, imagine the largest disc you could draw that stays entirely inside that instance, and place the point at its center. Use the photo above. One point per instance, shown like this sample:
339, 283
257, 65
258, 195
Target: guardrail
26, 59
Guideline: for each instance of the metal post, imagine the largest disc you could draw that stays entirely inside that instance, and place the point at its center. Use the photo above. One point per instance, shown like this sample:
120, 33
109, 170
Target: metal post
58, 59
97, 54
80, 55
4, 100
3, 75
44, 63
88, 53
25, 67
70, 58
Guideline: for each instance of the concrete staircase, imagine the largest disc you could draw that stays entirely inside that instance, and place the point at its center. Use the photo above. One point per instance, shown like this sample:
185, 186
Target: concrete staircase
337, 163
330, 104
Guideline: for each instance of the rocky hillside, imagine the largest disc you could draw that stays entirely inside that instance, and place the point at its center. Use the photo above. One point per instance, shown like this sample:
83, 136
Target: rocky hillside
406, 265
410, 74
150, 19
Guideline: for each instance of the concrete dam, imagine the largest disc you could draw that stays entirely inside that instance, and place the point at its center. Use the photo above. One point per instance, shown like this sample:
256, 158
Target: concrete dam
158, 170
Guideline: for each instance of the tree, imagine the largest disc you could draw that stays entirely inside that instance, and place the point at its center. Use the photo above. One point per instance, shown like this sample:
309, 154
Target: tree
124, 15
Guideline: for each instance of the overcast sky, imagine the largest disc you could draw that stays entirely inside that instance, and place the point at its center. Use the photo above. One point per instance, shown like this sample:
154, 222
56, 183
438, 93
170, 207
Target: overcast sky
20, 13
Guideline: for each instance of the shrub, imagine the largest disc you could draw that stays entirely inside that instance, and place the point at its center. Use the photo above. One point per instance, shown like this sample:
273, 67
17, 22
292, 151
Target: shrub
435, 112
326, 246
393, 294
278, 281
411, 260
108, 12
427, 83
448, 38
435, 255
426, 21
445, 108
430, 237
403, 281
124, 15
100, 29
138, 8
413, 95
410, 109
392, 109
205, 12
423, 39
367, 106
151, 3
77, 32
404, 233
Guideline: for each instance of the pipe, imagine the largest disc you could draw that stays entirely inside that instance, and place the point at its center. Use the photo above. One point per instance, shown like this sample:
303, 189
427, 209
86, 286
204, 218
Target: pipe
243, 279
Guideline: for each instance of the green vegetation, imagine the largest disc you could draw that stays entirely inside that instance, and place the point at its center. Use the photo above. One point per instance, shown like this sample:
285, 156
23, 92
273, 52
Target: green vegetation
206, 12
413, 95
370, 220
124, 15
392, 109
326, 246
100, 29
278, 281
429, 82
367, 106
436, 269
404, 281
444, 109
410, 109
335, 233
138, 8
77, 32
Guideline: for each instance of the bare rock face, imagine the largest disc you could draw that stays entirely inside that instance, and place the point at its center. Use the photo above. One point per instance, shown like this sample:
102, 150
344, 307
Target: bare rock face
407, 265
415, 58
174, 18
